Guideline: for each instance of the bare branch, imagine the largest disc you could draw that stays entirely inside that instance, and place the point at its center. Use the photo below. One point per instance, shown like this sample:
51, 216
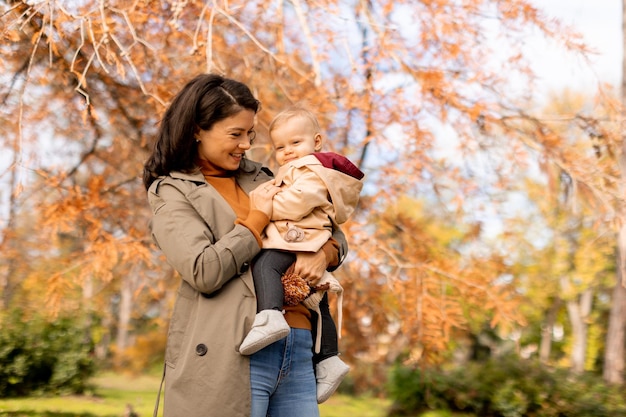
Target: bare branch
309, 40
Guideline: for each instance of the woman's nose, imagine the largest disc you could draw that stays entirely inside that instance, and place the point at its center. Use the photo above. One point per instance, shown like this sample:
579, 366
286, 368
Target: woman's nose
245, 144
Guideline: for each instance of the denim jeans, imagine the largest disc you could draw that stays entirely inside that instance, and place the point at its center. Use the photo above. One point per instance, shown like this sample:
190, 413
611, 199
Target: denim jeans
282, 378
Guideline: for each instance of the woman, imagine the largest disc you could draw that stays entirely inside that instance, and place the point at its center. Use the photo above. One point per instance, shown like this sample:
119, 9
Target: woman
209, 229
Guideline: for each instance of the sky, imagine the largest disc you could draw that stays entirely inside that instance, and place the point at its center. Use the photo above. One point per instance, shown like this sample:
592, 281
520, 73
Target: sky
600, 22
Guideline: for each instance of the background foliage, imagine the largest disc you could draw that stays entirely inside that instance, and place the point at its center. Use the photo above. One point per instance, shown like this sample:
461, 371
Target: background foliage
37, 355
488, 222
506, 387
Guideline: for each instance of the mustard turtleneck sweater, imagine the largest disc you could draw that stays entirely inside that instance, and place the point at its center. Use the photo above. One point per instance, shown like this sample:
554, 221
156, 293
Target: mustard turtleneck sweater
225, 183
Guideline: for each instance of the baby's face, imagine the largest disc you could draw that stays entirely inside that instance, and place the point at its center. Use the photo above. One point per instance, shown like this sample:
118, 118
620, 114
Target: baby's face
295, 138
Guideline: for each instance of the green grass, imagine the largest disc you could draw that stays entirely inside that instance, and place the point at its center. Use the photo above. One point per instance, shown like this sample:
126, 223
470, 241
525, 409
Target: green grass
113, 392
345, 406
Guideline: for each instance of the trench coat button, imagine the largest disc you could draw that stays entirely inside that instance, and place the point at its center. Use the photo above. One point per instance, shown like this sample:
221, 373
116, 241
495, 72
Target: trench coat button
201, 349
244, 267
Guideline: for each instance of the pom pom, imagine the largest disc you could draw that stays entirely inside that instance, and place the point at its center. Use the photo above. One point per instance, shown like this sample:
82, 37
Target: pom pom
295, 287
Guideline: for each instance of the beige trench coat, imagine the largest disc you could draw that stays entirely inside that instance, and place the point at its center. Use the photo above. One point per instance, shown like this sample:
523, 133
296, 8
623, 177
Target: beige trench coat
313, 200
193, 225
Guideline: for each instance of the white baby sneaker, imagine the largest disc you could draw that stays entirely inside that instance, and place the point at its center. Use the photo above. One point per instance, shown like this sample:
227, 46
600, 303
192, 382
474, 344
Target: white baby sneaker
268, 327
329, 373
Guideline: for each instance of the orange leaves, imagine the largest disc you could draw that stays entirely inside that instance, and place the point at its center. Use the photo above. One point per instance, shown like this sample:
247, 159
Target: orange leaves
433, 81
58, 288
421, 90
429, 289
102, 255
11, 35
82, 223
448, 299
76, 208
512, 10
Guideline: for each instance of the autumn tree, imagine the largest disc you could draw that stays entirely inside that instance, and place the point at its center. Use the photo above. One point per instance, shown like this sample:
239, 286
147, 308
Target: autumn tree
564, 244
584, 240
564, 274
428, 285
409, 89
616, 334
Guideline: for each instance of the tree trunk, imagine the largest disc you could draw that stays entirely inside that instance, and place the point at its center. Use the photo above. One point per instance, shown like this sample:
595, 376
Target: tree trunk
578, 312
128, 287
614, 353
7, 238
547, 330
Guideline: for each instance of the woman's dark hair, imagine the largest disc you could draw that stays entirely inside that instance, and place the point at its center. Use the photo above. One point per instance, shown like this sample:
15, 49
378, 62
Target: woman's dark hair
204, 101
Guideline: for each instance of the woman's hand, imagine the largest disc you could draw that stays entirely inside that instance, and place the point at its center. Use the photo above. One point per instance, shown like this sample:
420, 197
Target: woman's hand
262, 196
311, 265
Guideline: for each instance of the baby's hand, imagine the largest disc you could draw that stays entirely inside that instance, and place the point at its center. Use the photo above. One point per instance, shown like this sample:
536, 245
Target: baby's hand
262, 196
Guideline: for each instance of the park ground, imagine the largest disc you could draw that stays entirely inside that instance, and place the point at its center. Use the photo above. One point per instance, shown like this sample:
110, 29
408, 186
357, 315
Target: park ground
114, 393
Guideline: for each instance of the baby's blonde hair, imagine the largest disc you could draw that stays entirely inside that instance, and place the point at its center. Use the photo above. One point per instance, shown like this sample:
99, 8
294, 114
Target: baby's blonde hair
297, 110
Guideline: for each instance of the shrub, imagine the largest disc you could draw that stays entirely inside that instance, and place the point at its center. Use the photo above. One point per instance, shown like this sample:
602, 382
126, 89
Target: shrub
146, 353
37, 356
504, 387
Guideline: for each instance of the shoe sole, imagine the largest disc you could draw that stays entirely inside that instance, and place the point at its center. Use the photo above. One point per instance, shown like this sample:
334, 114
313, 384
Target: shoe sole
260, 344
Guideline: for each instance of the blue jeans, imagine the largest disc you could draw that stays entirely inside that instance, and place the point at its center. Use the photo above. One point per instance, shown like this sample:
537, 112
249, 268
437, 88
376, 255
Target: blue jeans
282, 378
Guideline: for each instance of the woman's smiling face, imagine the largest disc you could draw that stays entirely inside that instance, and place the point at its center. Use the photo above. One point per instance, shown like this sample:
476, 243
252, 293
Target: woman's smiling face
226, 142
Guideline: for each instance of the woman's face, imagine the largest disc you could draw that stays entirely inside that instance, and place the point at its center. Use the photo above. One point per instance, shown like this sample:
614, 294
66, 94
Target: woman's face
225, 143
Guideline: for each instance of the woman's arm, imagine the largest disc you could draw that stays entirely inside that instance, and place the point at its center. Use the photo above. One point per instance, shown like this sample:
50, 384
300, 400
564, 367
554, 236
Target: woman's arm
190, 246
342, 249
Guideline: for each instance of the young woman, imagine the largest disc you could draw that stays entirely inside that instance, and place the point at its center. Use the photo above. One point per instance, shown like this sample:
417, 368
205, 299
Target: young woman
209, 229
